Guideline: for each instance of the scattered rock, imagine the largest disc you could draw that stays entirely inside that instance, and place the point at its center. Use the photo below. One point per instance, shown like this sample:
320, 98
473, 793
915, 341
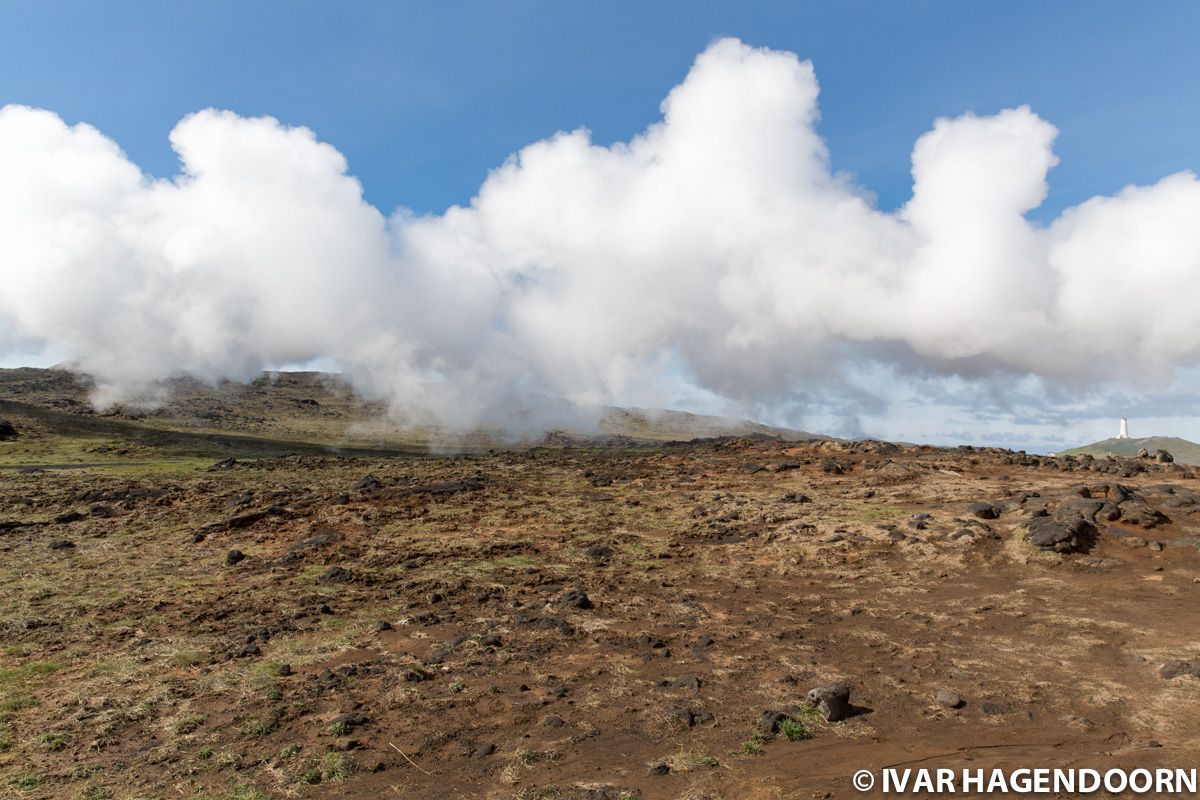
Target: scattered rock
1179, 668
949, 699
833, 701
484, 750
382, 626
768, 723
982, 510
658, 769
61, 544
336, 574
576, 598
367, 483
8, 431
234, 557
1071, 536
599, 552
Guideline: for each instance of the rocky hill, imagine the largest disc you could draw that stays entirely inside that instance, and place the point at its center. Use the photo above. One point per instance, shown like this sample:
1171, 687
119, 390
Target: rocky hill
1181, 450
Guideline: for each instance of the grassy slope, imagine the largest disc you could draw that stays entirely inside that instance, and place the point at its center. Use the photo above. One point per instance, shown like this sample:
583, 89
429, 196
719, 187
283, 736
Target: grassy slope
306, 413
1185, 452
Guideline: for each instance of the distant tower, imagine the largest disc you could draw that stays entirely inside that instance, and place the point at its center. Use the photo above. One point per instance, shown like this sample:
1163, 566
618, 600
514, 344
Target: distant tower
1124, 429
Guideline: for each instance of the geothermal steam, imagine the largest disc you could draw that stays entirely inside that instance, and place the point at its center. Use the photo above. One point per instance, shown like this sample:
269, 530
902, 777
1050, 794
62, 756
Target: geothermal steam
714, 255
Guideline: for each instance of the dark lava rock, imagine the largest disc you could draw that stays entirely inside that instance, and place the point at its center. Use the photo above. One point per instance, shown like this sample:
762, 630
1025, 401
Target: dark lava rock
225, 463
796, 497
484, 750
576, 598
1075, 535
768, 723
658, 769
368, 483
234, 557
248, 649
1179, 668
8, 431
833, 701
653, 642
982, 510
753, 469
490, 640
336, 574
319, 539
949, 698
61, 544
284, 670
554, 721
1163, 457
598, 552
559, 691
383, 625
69, 516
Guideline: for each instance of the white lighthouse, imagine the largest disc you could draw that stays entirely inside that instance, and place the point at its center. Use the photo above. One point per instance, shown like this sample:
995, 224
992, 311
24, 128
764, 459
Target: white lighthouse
1124, 429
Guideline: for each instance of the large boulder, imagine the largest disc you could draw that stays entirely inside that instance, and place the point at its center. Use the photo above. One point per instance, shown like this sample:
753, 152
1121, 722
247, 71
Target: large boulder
8, 431
1061, 535
833, 701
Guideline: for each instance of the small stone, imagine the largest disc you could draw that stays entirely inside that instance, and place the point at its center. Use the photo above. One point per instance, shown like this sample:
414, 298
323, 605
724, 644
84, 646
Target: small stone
484, 750
1179, 668
658, 769
982, 510
234, 557
336, 575
382, 626
577, 598
949, 699
61, 544
768, 723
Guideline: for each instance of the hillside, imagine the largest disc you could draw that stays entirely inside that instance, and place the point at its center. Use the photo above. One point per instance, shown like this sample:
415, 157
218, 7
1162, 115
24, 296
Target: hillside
1185, 452
300, 412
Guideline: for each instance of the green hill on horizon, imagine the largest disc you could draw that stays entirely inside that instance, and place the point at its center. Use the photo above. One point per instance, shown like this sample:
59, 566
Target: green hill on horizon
1185, 452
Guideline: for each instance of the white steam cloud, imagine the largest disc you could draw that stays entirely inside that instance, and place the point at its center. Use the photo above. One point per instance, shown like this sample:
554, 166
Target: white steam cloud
716, 252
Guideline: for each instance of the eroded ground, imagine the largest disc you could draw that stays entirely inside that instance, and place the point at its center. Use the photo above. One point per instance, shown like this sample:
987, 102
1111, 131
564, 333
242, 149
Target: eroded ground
568, 623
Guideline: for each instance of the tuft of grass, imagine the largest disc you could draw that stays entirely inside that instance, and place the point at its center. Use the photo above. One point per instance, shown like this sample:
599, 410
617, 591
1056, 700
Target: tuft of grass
794, 731
336, 767
754, 745
187, 724
205, 754
457, 687
246, 791
339, 728
705, 761
17, 702
26, 781
291, 751
95, 793
310, 776
53, 741
260, 727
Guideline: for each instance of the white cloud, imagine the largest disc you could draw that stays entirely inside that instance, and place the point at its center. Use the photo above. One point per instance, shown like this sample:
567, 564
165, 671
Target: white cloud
716, 255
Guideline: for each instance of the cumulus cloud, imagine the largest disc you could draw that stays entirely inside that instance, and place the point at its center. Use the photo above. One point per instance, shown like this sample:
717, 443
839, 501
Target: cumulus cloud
715, 255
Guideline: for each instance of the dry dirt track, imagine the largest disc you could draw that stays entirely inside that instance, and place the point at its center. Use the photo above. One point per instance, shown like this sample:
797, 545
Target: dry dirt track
722, 580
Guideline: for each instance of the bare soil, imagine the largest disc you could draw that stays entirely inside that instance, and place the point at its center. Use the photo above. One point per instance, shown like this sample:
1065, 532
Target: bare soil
588, 622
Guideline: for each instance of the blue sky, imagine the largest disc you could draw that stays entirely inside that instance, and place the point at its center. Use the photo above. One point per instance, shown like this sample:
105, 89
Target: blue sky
425, 98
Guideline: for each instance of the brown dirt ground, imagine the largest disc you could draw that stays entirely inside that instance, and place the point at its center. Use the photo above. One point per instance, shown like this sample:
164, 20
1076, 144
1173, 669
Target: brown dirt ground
138, 664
